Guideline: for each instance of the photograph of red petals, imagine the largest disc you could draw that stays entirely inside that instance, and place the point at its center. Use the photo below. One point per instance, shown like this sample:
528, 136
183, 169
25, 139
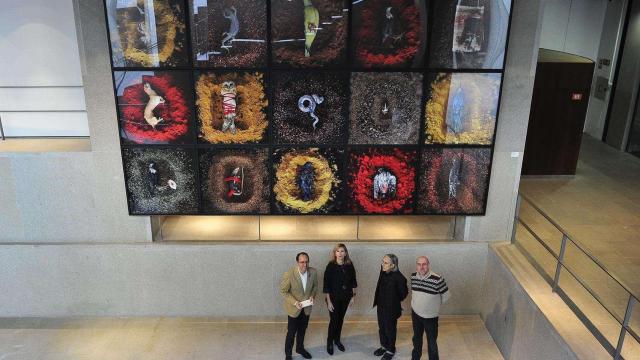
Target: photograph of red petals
154, 107
389, 33
454, 181
381, 181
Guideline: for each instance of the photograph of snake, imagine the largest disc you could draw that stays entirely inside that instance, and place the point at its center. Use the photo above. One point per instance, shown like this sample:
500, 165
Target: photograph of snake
229, 33
461, 108
389, 33
310, 107
454, 181
234, 181
232, 107
381, 180
160, 181
155, 107
385, 108
469, 34
147, 33
307, 180
309, 33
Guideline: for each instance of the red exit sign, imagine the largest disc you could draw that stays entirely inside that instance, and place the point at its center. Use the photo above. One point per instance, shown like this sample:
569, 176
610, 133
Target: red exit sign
576, 96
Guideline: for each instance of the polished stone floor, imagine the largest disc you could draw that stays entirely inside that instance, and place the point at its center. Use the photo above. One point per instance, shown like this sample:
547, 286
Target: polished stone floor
600, 209
460, 338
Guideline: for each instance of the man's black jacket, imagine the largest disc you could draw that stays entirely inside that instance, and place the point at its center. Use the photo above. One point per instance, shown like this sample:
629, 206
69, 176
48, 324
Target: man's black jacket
390, 291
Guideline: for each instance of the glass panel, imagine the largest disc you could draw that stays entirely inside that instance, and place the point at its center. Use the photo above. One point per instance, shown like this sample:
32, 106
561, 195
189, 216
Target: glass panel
541, 226
405, 228
598, 315
308, 228
631, 348
210, 228
536, 252
613, 295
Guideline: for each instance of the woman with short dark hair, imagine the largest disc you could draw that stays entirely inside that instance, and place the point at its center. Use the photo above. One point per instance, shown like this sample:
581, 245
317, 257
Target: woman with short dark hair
390, 291
339, 285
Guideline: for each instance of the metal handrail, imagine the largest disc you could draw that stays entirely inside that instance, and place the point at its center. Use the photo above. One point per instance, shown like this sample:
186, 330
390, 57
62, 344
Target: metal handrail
560, 264
579, 246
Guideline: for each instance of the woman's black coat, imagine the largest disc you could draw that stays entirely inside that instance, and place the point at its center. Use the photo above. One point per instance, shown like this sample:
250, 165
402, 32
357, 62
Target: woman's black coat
390, 291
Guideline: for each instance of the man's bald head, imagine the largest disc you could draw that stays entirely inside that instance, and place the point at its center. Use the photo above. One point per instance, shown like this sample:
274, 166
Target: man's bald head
422, 265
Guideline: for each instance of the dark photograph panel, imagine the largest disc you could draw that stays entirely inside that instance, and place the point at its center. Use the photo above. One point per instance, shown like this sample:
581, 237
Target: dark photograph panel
307, 181
309, 33
232, 107
469, 34
389, 33
310, 107
461, 108
154, 107
147, 33
454, 181
160, 181
381, 181
229, 33
385, 108
234, 181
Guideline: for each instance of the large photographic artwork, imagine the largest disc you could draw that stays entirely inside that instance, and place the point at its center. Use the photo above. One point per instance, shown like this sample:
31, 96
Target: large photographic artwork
155, 107
307, 107
234, 181
469, 34
381, 181
454, 181
160, 181
389, 33
307, 181
147, 33
461, 108
232, 107
229, 33
309, 33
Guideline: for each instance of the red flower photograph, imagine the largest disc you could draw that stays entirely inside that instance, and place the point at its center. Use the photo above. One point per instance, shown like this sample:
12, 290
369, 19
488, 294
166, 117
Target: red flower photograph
389, 33
381, 181
155, 107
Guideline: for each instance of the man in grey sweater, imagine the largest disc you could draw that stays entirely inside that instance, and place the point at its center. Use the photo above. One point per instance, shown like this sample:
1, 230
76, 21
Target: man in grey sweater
428, 292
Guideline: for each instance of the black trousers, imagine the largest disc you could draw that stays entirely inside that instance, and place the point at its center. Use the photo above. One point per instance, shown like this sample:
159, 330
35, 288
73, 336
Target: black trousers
387, 329
296, 327
336, 317
420, 326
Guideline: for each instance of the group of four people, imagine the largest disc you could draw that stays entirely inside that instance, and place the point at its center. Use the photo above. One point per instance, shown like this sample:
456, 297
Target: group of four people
299, 287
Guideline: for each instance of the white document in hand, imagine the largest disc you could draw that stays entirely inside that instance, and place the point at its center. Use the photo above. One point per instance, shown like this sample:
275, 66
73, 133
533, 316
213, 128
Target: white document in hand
306, 303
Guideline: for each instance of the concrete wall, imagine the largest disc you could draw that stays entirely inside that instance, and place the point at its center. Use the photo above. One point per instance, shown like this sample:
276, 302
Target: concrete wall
570, 25
628, 83
206, 280
517, 89
31, 79
515, 322
608, 49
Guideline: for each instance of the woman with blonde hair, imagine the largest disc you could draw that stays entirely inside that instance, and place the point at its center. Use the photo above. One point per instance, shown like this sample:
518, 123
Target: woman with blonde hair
339, 285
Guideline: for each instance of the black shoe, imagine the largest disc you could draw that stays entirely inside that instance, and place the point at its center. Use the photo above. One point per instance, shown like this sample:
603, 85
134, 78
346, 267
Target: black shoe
339, 345
387, 356
380, 351
330, 348
288, 357
305, 354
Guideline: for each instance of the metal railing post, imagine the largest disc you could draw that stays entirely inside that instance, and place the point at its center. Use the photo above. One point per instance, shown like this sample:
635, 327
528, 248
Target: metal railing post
625, 323
556, 277
515, 220
1, 129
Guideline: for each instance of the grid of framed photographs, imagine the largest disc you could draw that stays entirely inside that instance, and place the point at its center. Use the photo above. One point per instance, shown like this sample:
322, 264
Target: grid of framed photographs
307, 106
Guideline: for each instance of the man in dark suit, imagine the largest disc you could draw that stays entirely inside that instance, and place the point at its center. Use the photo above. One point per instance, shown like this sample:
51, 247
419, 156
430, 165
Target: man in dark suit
298, 284
390, 291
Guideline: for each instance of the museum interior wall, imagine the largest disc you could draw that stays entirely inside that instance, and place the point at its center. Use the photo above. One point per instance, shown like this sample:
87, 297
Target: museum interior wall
108, 264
